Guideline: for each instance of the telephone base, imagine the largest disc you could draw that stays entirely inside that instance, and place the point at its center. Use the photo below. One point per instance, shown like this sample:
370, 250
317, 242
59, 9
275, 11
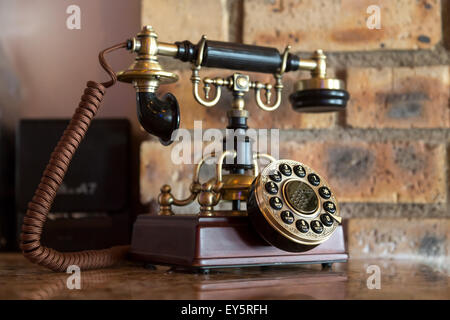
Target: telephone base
194, 242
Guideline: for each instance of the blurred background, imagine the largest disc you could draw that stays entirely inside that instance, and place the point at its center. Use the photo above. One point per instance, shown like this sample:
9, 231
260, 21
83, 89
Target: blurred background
387, 155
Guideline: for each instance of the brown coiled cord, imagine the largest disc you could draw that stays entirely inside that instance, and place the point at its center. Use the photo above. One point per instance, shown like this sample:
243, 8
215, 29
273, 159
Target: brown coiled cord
39, 206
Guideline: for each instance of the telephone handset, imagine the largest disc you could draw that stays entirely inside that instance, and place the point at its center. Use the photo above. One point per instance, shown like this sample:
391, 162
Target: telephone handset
292, 207
289, 205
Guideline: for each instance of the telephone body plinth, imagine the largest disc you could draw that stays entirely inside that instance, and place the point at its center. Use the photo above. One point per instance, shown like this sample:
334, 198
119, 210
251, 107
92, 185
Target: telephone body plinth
197, 242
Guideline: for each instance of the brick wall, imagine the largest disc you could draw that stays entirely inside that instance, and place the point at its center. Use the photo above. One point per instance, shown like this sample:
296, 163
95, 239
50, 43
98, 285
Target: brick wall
387, 155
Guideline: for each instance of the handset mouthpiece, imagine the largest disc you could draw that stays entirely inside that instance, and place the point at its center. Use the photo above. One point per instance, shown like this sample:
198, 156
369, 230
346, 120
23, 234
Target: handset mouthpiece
158, 117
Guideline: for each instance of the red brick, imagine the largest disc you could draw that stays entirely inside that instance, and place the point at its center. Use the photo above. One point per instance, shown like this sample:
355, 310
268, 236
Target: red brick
157, 169
340, 25
406, 172
399, 97
178, 20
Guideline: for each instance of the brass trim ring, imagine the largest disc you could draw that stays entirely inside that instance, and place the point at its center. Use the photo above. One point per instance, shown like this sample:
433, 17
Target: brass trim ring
318, 83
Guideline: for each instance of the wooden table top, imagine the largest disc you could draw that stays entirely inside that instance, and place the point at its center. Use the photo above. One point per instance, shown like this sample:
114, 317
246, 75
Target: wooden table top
400, 279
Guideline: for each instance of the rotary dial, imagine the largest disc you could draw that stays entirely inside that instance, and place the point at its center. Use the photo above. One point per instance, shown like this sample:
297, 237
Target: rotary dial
295, 201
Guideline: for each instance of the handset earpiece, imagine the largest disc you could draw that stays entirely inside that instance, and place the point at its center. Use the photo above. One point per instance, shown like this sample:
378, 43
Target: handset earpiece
324, 95
319, 93
159, 117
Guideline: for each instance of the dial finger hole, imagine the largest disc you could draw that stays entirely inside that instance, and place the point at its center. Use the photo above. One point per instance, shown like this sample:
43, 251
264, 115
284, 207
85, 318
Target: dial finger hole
302, 225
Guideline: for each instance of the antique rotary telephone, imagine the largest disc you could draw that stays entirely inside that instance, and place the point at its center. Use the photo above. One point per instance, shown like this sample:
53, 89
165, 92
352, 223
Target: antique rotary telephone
289, 205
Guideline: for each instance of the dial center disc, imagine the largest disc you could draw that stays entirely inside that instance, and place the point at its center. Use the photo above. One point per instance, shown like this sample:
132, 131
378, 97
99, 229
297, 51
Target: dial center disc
301, 197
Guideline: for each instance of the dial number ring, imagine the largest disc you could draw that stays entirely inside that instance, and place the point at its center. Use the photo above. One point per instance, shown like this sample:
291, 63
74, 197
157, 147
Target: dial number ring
273, 216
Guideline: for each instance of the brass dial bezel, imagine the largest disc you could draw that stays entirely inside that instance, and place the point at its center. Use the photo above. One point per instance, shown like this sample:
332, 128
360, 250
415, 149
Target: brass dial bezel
273, 217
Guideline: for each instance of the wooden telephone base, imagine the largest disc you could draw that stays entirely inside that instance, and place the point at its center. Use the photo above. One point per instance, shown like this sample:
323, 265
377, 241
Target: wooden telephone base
201, 243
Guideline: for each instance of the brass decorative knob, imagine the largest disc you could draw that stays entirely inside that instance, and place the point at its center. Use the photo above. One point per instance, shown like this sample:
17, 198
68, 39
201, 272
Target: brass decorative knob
165, 200
209, 197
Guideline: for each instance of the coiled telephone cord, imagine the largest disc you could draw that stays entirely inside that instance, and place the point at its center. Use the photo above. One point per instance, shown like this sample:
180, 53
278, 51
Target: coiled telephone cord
39, 206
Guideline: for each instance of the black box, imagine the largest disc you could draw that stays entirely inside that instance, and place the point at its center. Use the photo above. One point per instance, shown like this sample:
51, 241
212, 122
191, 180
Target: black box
6, 187
92, 206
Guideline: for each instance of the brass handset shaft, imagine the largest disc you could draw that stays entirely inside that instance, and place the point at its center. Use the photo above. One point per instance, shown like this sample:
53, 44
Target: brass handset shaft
307, 64
167, 49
